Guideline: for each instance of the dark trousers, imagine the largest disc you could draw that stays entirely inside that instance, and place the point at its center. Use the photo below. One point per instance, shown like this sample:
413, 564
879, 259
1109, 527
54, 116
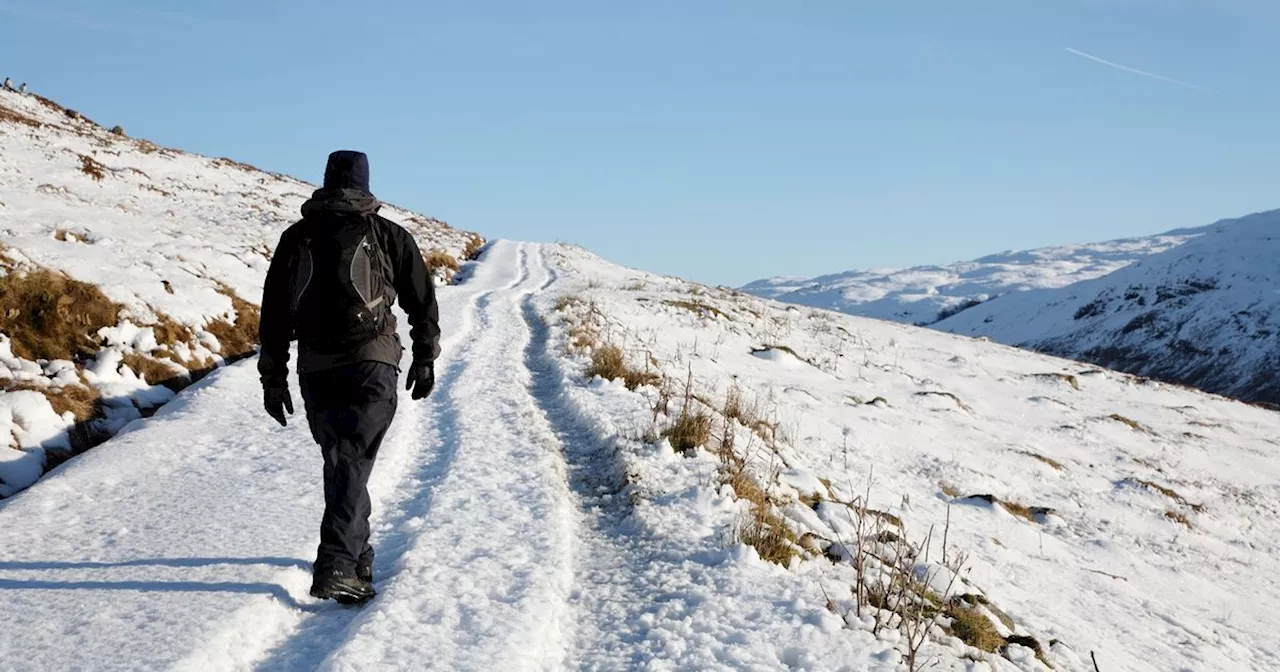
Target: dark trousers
349, 409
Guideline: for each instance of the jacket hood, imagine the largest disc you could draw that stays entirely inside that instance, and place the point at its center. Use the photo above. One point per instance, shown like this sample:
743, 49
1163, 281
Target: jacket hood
328, 202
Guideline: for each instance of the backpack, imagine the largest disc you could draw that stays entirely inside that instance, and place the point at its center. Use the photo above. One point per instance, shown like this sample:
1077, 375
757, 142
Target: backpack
343, 289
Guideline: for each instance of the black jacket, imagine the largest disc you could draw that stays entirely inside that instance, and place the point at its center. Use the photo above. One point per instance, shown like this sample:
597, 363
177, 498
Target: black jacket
411, 281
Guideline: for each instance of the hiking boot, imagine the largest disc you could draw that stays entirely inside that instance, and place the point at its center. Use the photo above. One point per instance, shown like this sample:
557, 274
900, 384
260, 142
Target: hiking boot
364, 573
343, 587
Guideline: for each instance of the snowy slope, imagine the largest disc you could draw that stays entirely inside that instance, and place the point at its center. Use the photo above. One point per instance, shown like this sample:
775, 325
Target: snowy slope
181, 242
531, 517
1205, 313
920, 295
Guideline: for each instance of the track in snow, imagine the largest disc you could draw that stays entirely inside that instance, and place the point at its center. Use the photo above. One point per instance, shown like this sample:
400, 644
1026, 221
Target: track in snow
185, 543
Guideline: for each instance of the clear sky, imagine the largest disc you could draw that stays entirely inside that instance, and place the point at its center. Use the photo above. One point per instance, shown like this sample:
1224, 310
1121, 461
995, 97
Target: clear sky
721, 140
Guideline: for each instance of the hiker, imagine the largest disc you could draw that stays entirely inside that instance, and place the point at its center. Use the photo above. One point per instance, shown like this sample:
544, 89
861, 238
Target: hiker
23, 89
331, 283
8, 84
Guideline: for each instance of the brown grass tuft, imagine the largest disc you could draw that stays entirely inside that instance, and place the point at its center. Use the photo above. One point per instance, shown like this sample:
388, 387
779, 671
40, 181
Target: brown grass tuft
475, 244
80, 401
1047, 460
1063, 377
972, 627
155, 371
237, 338
690, 431
1178, 517
49, 315
772, 538
438, 259
90, 166
1164, 490
609, 362
699, 308
14, 117
1133, 424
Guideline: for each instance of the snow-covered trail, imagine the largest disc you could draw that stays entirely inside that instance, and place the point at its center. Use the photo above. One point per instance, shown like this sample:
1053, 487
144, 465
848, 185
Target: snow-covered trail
185, 543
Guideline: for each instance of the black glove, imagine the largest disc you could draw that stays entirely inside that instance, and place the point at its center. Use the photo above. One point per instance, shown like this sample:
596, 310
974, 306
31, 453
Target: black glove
276, 400
421, 378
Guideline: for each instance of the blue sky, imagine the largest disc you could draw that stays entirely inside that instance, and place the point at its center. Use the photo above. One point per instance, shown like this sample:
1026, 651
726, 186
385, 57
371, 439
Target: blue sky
721, 140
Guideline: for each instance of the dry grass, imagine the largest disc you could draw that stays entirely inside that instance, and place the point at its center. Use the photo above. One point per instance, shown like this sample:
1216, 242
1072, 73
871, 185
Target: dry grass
949, 490
690, 431
1047, 460
475, 244
698, 308
1133, 424
1064, 377
439, 259
772, 538
609, 362
1166, 491
747, 411
948, 395
972, 627
240, 337
784, 348
1029, 513
80, 401
155, 371
567, 301
13, 117
1178, 517
90, 166
49, 315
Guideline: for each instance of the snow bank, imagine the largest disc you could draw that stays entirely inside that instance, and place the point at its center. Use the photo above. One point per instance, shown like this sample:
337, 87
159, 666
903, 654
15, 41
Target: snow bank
1098, 490
175, 238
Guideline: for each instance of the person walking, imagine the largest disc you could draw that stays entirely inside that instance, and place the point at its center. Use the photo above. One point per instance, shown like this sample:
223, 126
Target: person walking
330, 285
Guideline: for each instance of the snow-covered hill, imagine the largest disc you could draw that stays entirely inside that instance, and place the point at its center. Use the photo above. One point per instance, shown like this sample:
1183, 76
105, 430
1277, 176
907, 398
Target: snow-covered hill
925, 294
125, 270
756, 486
1205, 313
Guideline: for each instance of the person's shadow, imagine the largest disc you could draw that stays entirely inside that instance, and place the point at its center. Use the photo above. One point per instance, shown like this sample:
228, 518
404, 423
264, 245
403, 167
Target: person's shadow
275, 590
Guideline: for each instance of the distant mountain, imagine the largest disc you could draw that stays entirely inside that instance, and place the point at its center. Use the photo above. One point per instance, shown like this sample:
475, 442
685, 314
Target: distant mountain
925, 294
1205, 313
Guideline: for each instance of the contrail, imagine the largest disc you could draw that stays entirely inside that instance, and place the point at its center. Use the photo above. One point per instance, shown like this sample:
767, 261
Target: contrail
1135, 71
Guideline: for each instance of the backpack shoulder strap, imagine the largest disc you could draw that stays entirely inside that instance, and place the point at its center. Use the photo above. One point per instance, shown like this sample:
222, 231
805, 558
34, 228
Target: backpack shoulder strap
377, 233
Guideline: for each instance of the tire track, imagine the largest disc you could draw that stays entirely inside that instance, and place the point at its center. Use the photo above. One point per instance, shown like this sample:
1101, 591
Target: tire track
615, 570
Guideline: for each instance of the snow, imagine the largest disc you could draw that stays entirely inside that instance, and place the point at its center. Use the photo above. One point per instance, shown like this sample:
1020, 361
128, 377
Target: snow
1204, 313
921, 294
527, 517
163, 232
